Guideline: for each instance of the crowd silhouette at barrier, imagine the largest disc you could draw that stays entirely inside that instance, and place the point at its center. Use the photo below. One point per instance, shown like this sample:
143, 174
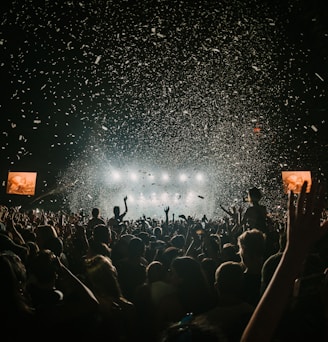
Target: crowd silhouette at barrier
243, 277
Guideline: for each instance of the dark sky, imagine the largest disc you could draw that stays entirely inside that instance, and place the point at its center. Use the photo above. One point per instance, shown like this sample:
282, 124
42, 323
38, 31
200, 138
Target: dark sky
167, 84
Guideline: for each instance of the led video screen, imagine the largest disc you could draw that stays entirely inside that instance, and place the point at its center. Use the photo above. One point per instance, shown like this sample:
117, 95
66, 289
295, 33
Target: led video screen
293, 180
21, 183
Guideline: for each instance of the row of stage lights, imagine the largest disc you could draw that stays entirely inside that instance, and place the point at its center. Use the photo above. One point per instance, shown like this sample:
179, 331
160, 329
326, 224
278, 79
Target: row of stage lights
165, 197
118, 176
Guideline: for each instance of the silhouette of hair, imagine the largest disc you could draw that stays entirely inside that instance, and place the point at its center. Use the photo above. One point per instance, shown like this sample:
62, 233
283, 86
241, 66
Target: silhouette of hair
95, 212
255, 194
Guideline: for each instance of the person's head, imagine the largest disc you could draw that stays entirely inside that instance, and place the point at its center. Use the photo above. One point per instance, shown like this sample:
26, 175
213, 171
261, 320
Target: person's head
116, 210
168, 255
8, 244
102, 233
145, 237
252, 247
254, 195
120, 247
215, 242
268, 269
101, 276
178, 241
98, 248
229, 252
136, 248
157, 232
186, 269
55, 244
229, 278
43, 233
12, 287
155, 271
13, 274
95, 212
44, 268
33, 248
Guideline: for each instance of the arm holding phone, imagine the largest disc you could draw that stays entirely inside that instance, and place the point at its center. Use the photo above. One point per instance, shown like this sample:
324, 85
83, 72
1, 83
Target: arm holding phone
304, 228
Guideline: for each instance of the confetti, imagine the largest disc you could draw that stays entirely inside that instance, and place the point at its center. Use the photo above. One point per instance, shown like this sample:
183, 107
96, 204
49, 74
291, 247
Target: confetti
155, 88
320, 78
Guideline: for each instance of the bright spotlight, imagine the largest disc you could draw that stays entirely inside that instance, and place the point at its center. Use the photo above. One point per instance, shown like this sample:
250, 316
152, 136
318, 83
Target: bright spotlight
183, 177
199, 177
165, 177
116, 175
133, 176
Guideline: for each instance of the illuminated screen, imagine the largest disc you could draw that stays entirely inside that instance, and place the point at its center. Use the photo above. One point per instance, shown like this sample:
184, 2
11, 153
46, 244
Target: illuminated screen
21, 183
293, 180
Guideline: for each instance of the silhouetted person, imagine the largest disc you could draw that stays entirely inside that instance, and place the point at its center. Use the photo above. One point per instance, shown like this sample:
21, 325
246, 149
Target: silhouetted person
94, 220
116, 222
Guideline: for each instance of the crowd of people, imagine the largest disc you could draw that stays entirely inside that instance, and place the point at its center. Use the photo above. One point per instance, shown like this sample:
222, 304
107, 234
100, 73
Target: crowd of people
243, 277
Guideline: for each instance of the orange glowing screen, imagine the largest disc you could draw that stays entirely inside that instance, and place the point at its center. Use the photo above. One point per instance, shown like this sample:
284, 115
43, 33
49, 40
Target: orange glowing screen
21, 183
293, 180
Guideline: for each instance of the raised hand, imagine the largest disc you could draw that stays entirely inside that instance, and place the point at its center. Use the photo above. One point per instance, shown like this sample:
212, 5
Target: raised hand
305, 226
304, 218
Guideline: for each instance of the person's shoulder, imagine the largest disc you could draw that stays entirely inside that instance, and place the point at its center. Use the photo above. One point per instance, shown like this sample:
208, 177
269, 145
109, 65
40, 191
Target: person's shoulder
101, 220
112, 220
250, 209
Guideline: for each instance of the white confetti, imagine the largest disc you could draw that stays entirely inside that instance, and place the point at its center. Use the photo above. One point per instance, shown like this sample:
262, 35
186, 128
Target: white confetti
178, 89
320, 78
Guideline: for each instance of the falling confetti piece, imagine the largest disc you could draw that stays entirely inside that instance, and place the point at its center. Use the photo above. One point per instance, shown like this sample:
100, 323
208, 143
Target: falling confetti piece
320, 78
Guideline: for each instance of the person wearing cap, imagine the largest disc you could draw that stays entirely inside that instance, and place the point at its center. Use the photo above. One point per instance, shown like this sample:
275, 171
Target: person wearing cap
255, 216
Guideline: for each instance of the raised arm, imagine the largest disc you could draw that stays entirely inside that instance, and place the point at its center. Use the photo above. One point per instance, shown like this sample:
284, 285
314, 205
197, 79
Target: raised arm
166, 224
304, 228
125, 204
81, 298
